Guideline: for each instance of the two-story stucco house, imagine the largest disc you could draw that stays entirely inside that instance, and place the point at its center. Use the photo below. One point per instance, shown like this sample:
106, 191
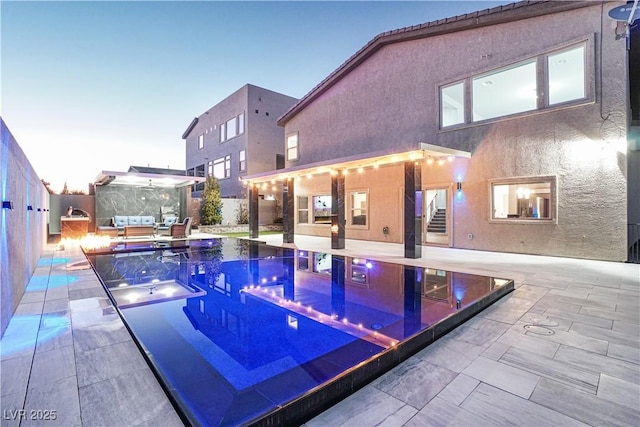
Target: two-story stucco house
500, 130
236, 137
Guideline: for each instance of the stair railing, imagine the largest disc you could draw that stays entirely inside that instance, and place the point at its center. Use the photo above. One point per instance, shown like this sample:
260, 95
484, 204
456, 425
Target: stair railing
432, 208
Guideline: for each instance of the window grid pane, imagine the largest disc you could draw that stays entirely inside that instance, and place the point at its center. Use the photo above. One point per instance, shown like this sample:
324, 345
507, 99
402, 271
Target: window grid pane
292, 147
359, 208
303, 210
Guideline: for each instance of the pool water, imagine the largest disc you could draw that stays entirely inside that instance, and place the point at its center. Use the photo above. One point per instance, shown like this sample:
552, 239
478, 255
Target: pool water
240, 332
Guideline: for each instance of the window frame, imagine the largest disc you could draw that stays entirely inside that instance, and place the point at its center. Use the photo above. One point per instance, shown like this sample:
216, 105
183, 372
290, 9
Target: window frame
242, 160
524, 180
351, 209
313, 211
201, 141
464, 84
542, 84
221, 161
296, 147
299, 209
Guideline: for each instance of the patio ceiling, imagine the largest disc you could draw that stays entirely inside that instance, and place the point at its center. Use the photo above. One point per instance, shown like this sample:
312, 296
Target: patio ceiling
145, 179
428, 152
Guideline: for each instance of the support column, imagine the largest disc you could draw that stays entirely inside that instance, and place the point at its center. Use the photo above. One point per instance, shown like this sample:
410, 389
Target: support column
288, 281
253, 211
288, 210
337, 211
412, 210
412, 299
338, 293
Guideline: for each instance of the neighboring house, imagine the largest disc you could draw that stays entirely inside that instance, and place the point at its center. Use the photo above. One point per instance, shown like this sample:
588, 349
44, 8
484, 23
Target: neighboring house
500, 130
236, 137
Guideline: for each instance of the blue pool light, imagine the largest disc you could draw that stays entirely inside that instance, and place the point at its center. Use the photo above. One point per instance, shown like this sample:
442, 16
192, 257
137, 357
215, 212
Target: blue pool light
53, 261
22, 332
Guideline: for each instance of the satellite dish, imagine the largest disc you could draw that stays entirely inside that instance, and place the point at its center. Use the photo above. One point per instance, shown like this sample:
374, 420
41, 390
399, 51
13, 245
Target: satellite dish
623, 13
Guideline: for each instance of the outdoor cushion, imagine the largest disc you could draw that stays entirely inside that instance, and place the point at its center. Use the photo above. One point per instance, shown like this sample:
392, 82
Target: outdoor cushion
134, 220
120, 221
147, 220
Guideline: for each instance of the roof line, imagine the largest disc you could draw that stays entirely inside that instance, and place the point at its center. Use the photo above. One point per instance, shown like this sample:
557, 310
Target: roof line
482, 18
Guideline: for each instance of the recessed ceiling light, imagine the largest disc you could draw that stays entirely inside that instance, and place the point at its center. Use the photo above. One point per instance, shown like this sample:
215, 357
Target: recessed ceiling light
487, 83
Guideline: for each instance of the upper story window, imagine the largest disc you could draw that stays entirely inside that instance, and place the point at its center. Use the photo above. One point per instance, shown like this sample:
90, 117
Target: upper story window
452, 104
232, 127
506, 91
517, 88
524, 199
566, 72
242, 160
222, 167
292, 147
200, 141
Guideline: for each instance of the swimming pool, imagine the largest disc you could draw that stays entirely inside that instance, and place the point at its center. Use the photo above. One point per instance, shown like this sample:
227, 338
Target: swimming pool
244, 333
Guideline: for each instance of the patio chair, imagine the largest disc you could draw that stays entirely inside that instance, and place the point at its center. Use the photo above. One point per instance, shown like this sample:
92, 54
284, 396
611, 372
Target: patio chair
163, 227
181, 229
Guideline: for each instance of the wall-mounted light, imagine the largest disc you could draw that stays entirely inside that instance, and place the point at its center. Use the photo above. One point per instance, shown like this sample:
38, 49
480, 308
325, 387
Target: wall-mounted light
29, 207
458, 304
459, 185
7, 204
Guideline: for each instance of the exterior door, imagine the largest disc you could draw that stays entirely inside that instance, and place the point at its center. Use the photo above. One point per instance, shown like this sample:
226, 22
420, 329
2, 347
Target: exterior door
437, 216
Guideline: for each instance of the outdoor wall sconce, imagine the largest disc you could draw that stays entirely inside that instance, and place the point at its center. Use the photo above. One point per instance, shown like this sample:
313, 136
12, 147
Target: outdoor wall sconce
458, 304
459, 186
29, 207
7, 204
385, 230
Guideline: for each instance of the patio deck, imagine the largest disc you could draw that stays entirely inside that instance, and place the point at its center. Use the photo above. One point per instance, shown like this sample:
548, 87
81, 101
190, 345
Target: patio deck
563, 348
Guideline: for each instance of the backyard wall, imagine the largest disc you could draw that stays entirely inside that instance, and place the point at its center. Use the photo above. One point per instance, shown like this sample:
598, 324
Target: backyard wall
23, 232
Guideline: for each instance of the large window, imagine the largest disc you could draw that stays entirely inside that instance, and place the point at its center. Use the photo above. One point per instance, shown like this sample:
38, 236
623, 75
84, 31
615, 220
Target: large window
292, 147
358, 208
303, 210
544, 81
232, 127
526, 199
322, 209
222, 167
242, 160
504, 92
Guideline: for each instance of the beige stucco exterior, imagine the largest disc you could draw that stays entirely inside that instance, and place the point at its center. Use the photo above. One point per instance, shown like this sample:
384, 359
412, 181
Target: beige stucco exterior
390, 101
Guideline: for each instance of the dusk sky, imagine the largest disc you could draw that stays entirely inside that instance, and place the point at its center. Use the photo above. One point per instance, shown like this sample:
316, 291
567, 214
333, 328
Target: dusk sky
93, 86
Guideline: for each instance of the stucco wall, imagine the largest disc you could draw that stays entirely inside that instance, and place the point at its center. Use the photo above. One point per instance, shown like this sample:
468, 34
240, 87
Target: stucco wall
23, 233
391, 103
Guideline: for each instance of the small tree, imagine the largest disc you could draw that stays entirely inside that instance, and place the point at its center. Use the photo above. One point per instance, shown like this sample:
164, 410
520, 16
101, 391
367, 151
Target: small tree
65, 189
242, 213
211, 202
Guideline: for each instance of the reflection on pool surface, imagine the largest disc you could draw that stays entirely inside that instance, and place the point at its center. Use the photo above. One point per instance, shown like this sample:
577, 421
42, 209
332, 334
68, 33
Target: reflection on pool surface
241, 332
